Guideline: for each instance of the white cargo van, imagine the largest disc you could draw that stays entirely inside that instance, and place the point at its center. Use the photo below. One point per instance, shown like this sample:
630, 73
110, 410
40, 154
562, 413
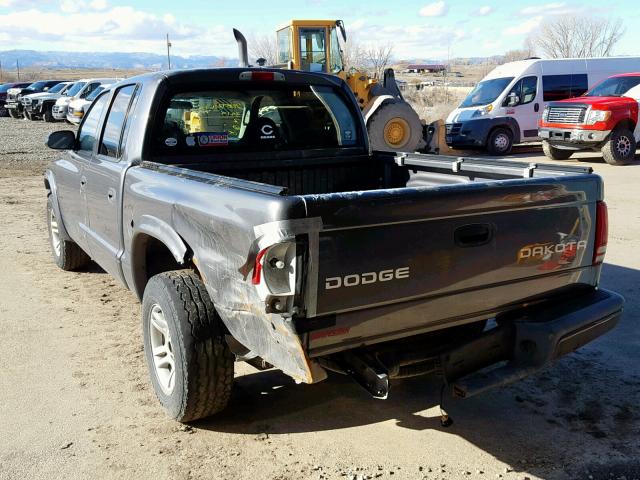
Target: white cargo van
504, 108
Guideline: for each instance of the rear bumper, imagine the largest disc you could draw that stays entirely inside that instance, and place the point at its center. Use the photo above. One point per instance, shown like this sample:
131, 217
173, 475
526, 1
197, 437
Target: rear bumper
574, 138
531, 342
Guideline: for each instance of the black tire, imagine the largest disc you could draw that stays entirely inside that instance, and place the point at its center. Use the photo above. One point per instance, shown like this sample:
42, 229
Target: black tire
48, 114
3, 112
620, 148
68, 256
500, 141
13, 113
202, 361
555, 153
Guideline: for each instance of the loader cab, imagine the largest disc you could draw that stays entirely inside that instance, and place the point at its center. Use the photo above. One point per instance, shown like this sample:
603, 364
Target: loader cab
311, 46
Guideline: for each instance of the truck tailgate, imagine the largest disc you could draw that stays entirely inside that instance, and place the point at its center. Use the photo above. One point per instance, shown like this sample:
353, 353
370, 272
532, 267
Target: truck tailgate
395, 249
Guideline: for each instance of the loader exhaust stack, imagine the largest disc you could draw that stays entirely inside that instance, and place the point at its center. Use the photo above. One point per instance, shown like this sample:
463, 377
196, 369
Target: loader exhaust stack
243, 55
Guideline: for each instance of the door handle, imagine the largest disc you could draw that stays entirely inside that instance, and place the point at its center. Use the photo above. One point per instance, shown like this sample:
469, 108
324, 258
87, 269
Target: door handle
536, 107
83, 181
111, 194
473, 235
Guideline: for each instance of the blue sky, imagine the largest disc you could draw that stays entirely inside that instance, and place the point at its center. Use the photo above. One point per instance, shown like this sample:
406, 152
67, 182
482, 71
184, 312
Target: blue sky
416, 29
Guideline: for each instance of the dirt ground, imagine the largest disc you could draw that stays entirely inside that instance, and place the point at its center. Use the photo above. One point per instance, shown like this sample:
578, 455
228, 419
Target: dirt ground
76, 403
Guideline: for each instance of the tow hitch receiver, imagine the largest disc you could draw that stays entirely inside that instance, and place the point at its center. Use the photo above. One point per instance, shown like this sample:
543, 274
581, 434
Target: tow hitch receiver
374, 382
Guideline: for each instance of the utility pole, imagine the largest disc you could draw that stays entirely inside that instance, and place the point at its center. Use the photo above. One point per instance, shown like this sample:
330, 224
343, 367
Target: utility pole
168, 52
18, 68
0, 72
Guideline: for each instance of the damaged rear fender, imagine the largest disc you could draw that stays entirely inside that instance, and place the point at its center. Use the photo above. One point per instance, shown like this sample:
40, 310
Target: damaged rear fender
152, 227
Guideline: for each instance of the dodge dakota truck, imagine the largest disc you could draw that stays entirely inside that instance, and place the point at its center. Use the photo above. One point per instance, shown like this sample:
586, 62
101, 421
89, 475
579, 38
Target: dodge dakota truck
605, 119
246, 210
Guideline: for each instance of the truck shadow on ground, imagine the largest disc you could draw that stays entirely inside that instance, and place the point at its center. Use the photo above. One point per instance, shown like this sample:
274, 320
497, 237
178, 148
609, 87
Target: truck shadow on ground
587, 399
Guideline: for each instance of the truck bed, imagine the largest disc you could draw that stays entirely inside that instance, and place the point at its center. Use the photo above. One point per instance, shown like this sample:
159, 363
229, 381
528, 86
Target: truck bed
457, 225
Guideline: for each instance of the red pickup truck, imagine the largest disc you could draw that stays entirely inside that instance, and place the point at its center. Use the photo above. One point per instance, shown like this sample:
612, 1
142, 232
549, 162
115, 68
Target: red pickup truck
605, 118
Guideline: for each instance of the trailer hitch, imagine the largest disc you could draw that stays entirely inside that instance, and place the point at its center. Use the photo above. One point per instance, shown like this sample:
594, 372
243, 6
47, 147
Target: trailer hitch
364, 373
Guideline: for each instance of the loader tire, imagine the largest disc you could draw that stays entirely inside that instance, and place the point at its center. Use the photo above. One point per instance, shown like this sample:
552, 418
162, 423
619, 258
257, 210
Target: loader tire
395, 127
620, 149
67, 254
555, 153
190, 363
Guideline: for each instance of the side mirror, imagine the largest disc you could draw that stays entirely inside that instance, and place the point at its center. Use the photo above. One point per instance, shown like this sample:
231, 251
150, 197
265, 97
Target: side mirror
513, 100
62, 140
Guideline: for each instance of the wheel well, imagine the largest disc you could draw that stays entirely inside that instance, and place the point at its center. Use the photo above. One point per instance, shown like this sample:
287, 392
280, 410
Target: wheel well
150, 257
626, 123
504, 126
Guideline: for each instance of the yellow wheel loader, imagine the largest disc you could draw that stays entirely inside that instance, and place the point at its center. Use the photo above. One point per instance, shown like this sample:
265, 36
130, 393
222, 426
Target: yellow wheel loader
314, 46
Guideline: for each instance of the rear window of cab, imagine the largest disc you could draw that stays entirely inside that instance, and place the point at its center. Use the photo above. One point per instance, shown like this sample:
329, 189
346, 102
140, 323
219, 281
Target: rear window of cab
253, 117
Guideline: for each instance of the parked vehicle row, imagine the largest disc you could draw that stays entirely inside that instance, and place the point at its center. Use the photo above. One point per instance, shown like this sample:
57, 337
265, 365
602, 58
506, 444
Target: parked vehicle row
51, 100
507, 106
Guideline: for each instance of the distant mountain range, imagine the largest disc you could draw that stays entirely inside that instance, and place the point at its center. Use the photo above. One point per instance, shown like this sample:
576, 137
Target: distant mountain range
145, 61
106, 60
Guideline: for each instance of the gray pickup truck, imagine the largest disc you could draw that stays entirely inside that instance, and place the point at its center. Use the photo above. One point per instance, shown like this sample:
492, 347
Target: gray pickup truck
247, 212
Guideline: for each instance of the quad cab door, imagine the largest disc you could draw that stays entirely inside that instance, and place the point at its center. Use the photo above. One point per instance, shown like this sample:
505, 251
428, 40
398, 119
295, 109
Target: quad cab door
72, 179
524, 103
104, 176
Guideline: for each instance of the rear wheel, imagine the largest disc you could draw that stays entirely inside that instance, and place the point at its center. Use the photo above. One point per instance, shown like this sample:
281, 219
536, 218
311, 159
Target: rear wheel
190, 363
555, 153
67, 254
13, 113
500, 141
620, 149
395, 127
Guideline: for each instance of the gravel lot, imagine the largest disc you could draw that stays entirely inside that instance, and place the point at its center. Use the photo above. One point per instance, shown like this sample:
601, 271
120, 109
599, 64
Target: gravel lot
76, 402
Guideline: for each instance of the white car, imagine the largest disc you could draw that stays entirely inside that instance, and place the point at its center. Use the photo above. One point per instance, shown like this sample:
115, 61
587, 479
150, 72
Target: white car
81, 89
79, 106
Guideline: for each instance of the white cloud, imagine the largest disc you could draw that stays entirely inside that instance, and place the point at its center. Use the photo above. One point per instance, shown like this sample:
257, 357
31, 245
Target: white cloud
525, 27
71, 6
548, 9
99, 5
22, 3
121, 29
485, 10
436, 9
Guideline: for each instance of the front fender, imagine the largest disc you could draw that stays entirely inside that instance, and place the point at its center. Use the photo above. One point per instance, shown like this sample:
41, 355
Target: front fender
52, 189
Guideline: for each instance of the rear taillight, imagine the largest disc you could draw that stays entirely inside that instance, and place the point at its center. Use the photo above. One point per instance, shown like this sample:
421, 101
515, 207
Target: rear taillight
257, 268
274, 276
602, 233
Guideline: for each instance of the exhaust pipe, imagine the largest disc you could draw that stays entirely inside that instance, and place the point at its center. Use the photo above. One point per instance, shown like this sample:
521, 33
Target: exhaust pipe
243, 55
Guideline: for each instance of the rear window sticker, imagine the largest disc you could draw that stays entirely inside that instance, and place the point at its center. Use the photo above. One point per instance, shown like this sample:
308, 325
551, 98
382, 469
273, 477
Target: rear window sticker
191, 141
171, 142
213, 139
